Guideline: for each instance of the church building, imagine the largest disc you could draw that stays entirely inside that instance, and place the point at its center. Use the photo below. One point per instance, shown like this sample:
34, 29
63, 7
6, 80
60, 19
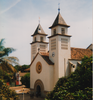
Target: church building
47, 66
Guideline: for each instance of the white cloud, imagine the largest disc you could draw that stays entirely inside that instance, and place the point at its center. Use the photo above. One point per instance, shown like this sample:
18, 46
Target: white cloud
12, 5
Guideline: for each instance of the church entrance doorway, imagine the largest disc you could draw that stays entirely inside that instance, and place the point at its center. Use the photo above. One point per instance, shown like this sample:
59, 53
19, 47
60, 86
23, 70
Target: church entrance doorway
39, 88
38, 91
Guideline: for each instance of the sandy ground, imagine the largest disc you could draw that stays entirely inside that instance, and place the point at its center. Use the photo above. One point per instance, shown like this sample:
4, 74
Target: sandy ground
19, 91
27, 97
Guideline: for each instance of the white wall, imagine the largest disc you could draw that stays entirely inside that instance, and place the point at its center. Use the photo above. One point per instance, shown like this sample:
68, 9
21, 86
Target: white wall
74, 62
46, 75
55, 58
58, 30
60, 65
37, 46
38, 38
64, 55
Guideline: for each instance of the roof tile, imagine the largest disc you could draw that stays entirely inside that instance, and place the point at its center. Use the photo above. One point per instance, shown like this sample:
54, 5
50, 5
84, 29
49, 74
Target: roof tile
79, 53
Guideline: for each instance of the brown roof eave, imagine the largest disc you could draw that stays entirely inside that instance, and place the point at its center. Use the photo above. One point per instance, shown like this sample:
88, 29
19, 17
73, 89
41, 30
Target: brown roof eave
59, 25
60, 35
39, 42
34, 59
75, 59
50, 63
40, 34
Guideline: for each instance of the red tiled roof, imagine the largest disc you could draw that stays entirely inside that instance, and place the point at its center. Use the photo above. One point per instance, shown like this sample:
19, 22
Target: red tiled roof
22, 73
28, 69
76, 54
46, 58
79, 53
43, 53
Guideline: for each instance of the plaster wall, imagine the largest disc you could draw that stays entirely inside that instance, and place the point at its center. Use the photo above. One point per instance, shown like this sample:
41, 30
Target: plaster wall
55, 58
46, 75
61, 57
64, 55
74, 63
37, 45
58, 30
38, 38
36, 50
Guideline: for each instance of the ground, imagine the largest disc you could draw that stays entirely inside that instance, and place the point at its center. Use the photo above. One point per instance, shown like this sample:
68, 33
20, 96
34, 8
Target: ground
19, 91
27, 97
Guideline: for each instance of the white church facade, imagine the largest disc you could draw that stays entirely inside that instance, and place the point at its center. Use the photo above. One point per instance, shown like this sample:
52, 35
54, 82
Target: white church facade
47, 66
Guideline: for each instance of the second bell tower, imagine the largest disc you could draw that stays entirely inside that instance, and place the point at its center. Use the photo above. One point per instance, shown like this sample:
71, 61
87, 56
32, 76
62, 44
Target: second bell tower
39, 43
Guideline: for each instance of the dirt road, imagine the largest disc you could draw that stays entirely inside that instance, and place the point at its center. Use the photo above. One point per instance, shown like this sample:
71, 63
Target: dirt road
27, 97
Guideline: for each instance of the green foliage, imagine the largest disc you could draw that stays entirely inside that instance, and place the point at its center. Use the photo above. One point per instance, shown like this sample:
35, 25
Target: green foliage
26, 80
78, 86
4, 53
5, 76
6, 93
21, 68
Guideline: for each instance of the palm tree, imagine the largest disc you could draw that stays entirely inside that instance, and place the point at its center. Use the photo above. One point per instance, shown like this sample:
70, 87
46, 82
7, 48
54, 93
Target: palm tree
5, 58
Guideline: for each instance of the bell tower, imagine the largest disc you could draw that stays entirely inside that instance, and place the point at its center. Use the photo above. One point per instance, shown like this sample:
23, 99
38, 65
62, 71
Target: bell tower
59, 47
39, 43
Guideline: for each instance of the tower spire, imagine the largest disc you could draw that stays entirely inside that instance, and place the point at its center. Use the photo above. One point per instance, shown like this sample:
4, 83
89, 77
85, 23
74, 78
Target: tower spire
58, 7
39, 20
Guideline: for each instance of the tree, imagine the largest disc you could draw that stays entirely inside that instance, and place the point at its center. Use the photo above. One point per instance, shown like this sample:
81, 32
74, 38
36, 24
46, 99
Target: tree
21, 68
77, 86
6, 93
26, 80
5, 58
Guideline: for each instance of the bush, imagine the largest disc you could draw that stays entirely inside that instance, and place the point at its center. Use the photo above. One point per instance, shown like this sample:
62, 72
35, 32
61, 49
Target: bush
78, 86
6, 93
21, 68
5, 76
26, 80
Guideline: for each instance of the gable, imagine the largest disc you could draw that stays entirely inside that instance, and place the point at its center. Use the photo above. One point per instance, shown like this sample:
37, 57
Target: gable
43, 56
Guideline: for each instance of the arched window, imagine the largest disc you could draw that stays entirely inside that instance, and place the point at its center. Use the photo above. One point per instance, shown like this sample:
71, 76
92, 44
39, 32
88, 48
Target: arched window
41, 39
63, 31
54, 32
35, 39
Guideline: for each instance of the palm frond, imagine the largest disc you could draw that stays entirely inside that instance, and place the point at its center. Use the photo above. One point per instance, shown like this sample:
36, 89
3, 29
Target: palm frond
7, 51
2, 42
7, 67
11, 60
2, 52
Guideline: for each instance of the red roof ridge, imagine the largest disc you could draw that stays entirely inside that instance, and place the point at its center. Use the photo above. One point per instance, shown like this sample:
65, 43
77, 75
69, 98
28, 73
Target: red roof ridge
44, 53
78, 48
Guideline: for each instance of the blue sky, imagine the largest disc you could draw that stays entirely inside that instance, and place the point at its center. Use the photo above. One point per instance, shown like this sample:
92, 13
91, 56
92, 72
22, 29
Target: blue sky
19, 19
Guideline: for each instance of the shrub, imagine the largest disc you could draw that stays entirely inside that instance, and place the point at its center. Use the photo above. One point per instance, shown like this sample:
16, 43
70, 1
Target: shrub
26, 80
6, 93
78, 86
5, 76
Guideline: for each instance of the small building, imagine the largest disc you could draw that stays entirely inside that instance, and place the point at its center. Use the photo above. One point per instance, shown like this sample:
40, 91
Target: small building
18, 77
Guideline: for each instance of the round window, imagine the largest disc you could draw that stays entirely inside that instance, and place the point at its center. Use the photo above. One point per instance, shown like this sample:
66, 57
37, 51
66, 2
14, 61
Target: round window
38, 67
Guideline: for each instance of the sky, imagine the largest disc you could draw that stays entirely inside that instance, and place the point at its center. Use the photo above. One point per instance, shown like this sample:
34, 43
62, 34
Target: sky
20, 18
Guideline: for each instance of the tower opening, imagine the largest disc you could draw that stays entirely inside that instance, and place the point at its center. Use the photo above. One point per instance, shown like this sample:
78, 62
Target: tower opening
63, 31
41, 38
54, 31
